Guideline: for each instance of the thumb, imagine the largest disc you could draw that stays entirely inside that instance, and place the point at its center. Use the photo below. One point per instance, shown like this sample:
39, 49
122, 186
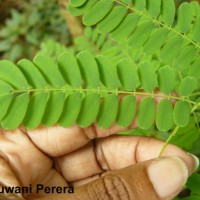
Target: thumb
157, 179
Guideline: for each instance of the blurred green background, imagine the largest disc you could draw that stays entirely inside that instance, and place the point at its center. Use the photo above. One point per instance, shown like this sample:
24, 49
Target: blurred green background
26, 24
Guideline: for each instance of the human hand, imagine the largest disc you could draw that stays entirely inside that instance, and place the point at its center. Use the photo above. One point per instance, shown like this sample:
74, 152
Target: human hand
98, 164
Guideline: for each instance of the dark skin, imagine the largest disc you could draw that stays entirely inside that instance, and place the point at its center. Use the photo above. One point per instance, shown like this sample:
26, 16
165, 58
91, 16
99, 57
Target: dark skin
93, 160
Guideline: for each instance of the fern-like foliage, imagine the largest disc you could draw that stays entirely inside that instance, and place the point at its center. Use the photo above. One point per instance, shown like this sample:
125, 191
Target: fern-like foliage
150, 25
87, 89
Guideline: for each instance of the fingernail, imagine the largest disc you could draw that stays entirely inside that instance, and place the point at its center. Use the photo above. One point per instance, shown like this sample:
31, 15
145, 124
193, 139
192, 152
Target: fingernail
168, 176
196, 161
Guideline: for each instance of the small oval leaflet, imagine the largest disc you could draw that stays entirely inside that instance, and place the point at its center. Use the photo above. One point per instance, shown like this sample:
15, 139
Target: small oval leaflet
16, 112
166, 79
146, 113
71, 72
108, 111
181, 113
171, 49
54, 108
89, 110
77, 3
14, 77
34, 116
77, 11
164, 116
126, 112
108, 72
184, 17
126, 27
128, 75
187, 86
88, 66
148, 76
116, 15
168, 11
49, 69
30, 71
71, 110
97, 12
154, 7
141, 34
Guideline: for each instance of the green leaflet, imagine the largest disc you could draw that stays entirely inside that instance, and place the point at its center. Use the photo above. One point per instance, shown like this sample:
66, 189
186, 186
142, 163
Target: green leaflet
187, 86
148, 76
14, 77
185, 57
77, 3
71, 110
146, 113
164, 116
35, 110
171, 49
196, 30
31, 72
71, 73
89, 110
126, 27
126, 1
5, 88
49, 70
5, 97
128, 75
115, 16
168, 11
88, 32
195, 8
194, 69
95, 36
184, 17
154, 7
89, 67
54, 108
77, 11
141, 34
101, 40
166, 79
126, 112
108, 111
181, 113
108, 72
5, 101
139, 4
16, 112
156, 40
97, 12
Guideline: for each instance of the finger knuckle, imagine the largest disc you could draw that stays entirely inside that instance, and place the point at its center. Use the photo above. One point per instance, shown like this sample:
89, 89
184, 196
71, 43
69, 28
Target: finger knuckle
109, 188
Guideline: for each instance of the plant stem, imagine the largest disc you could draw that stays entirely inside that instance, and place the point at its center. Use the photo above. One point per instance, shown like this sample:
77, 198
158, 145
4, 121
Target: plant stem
100, 90
168, 140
